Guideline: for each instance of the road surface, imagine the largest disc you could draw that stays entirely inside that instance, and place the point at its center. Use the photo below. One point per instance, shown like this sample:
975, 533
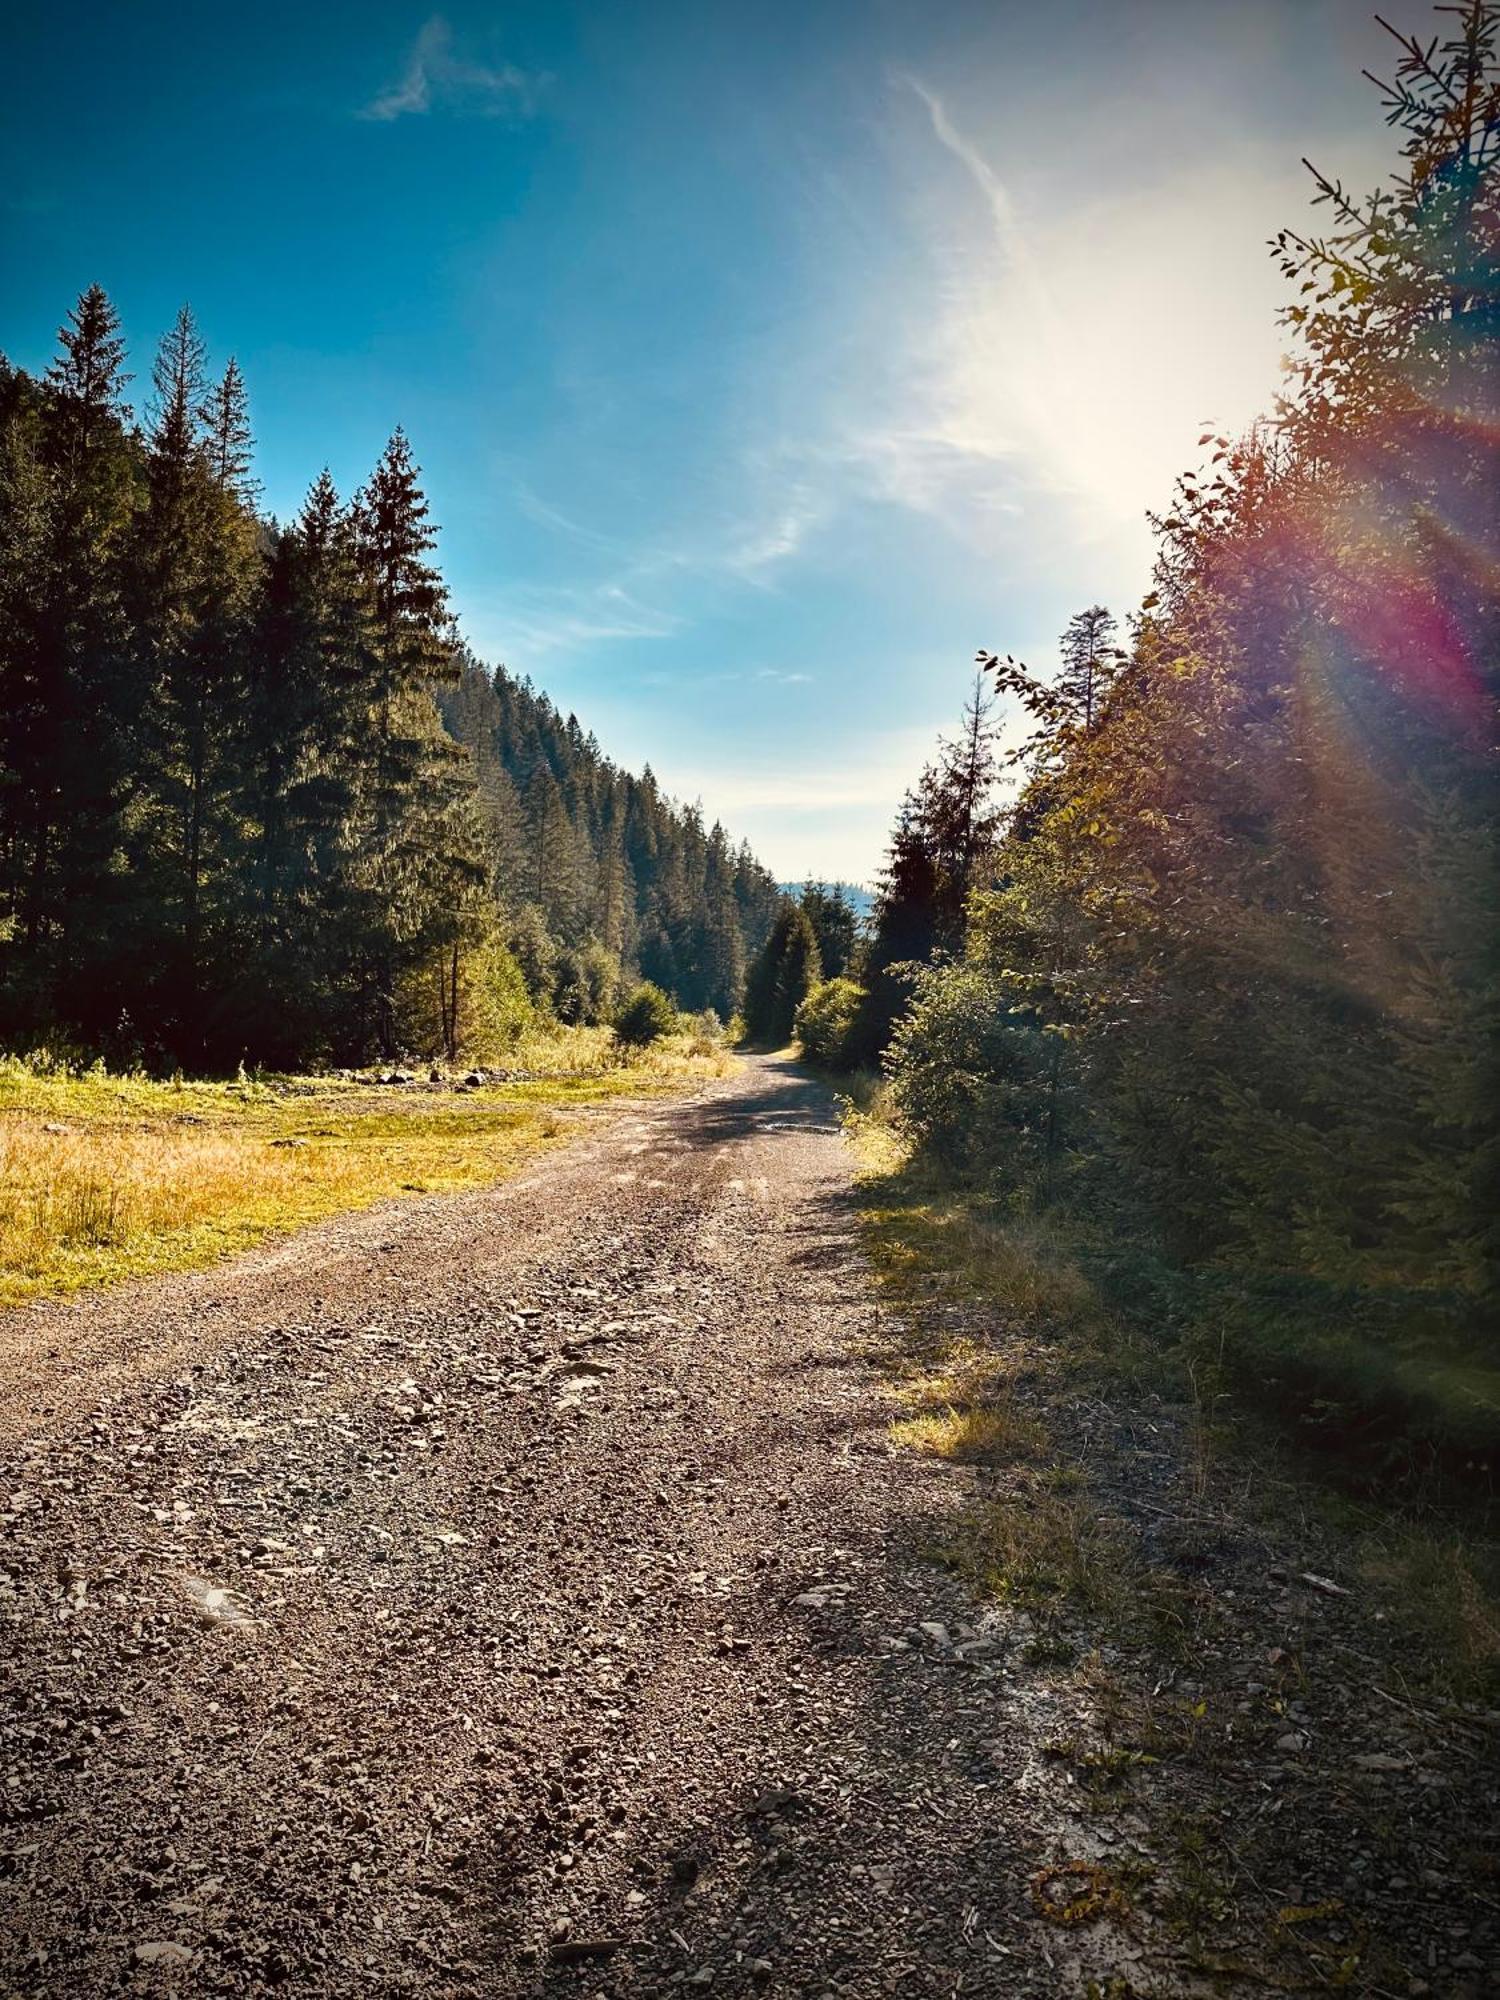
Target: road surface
502, 1593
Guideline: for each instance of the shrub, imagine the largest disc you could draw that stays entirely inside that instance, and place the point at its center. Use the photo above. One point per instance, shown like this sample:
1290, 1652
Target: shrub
646, 1016
825, 1022
978, 1086
495, 1007
707, 1032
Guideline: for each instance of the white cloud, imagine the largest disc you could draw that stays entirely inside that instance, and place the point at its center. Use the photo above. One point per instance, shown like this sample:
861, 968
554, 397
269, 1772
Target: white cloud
794, 514
1083, 358
436, 75
535, 623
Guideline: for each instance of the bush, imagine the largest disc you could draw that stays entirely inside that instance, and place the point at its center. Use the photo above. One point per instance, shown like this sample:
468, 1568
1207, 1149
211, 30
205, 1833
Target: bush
495, 1007
825, 1022
980, 1087
707, 1032
479, 1021
646, 1016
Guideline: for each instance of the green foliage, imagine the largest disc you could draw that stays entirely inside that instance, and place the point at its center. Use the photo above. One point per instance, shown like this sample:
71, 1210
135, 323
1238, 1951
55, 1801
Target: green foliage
595, 856
825, 1022
645, 1016
256, 800
781, 977
975, 1079
835, 924
1232, 1001
587, 984
941, 852
470, 1005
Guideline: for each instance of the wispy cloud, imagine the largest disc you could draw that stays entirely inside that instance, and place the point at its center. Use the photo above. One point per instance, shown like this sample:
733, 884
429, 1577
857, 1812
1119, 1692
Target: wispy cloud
797, 513
536, 623
437, 76
1077, 361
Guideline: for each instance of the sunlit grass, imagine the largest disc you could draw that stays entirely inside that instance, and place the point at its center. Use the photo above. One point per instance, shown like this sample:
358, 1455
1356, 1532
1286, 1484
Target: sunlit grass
109, 1177
969, 1291
970, 1434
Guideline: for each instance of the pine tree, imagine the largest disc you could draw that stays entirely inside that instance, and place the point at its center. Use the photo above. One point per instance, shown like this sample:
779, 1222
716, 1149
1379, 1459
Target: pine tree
88, 380
835, 923
783, 974
226, 425
255, 798
1089, 663
424, 865
69, 718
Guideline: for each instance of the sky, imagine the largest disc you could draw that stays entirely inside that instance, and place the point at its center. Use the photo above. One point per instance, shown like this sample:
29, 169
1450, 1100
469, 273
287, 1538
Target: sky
763, 362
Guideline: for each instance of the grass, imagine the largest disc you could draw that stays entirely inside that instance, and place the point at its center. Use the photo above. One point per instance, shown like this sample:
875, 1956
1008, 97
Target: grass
997, 1336
1033, 1540
945, 1258
106, 1177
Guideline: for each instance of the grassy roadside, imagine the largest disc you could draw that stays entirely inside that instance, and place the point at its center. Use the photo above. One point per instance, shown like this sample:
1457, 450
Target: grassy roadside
988, 1303
1264, 1702
110, 1177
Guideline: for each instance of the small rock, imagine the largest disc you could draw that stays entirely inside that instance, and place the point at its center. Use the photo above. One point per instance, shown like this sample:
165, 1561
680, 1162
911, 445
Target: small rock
162, 1951
1293, 1741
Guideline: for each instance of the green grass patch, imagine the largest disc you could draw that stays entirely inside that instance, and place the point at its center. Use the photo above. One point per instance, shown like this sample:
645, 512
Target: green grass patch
107, 1177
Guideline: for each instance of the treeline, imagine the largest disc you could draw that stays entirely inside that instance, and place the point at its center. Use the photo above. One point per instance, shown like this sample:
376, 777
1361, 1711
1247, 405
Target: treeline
1221, 995
257, 802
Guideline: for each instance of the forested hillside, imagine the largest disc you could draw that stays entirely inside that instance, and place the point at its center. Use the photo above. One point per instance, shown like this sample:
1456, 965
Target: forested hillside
1216, 1001
591, 859
257, 801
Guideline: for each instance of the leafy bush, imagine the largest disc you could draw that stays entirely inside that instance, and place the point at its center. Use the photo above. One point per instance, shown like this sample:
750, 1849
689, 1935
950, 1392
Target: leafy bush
646, 1016
825, 1022
495, 1008
707, 1033
473, 1005
976, 1083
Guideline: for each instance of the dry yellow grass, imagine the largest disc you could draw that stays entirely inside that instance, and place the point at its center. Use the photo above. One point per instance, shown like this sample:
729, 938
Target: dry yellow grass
970, 1433
107, 1177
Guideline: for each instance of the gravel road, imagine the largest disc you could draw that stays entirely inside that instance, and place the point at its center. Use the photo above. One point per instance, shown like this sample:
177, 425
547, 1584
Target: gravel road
505, 1593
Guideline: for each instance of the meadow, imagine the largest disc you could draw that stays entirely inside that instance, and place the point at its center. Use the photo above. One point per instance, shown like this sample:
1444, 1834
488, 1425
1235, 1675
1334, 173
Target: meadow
105, 1177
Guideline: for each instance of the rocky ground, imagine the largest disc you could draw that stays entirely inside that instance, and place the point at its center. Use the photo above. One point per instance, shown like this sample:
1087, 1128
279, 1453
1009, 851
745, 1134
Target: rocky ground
520, 1593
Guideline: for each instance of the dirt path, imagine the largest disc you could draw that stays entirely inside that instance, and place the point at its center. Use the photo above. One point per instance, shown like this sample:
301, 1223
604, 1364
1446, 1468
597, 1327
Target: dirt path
499, 1594
519, 1593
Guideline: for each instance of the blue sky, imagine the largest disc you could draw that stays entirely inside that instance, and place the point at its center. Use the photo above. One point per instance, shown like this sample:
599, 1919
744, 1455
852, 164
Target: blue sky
763, 361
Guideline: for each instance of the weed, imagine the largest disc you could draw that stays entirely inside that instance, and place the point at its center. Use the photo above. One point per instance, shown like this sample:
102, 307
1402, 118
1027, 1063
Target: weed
1444, 1594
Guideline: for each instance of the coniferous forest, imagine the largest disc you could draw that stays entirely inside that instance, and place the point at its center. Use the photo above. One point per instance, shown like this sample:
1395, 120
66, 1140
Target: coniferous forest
1218, 992
258, 802
979, 1477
